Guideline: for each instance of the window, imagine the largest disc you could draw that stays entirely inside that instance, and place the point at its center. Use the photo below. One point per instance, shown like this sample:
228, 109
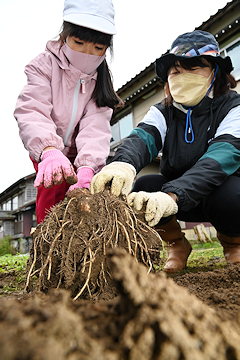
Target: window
233, 50
30, 193
121, 129
15, 203
7, 206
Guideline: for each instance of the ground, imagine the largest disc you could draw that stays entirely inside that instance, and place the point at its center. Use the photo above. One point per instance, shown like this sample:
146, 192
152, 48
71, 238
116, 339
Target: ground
192, 315
40, 326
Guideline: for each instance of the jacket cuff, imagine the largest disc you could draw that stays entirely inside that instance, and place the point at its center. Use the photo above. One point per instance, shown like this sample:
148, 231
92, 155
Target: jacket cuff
185, 203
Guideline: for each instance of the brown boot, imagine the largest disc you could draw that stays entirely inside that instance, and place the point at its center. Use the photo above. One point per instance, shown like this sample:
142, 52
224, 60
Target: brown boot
231, 247
178, 247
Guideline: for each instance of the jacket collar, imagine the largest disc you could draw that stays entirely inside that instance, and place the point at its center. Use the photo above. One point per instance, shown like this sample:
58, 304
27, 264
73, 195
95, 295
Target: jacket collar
197, 108
54, 47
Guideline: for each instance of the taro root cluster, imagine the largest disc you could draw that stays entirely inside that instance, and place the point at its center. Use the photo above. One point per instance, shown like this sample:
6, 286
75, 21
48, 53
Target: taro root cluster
69, 247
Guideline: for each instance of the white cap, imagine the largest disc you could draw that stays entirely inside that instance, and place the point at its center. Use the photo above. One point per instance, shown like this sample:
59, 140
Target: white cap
93, 14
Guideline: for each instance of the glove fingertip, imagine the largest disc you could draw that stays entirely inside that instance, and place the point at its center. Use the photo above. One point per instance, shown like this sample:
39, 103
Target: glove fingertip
130, 201
153, 223
38, 181
71, 179
92, 184
117, 185
91, 189
115, 191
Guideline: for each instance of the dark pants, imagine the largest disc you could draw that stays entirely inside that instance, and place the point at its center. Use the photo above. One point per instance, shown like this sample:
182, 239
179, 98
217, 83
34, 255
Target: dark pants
221, 208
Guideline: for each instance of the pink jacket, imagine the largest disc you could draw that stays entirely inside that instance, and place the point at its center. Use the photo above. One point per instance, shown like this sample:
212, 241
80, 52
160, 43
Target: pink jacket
55, 109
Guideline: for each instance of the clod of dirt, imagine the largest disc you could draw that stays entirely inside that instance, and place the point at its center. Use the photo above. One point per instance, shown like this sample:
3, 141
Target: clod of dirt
69, 247
168, 322
151, 319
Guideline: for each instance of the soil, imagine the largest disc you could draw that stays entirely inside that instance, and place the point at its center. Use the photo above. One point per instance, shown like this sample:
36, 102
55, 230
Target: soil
135, 314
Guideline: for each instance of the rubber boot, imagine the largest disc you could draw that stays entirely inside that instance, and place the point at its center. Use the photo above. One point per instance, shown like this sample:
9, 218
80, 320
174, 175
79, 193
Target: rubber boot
178, 247
231, 247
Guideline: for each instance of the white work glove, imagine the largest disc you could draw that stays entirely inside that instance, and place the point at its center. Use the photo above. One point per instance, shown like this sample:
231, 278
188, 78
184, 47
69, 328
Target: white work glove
159, 205
121, 176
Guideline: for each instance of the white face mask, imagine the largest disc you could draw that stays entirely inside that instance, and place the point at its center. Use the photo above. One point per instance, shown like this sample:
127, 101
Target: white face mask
189, 89
86, 63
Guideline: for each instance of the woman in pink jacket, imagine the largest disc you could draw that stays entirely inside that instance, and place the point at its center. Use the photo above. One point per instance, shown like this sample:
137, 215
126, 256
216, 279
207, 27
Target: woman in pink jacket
64, 111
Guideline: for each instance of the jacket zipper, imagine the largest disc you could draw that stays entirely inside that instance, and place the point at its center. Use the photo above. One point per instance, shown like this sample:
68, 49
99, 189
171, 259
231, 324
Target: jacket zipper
83, 85
74, 109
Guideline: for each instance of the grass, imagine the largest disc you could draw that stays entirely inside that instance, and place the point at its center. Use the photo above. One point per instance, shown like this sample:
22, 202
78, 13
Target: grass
208, 255
204, 256
13, 262
15, 267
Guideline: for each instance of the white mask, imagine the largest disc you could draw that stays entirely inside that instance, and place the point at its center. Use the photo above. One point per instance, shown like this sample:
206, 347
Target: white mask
86, 63
189, 89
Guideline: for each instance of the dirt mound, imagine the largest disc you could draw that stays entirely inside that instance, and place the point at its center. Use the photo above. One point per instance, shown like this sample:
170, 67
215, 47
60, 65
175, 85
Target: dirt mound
69, 247
217, 288
152, 318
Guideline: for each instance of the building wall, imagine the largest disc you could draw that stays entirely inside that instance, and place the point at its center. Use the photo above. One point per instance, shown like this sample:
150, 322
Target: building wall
27, 222
8, 228
17, 221
142, 107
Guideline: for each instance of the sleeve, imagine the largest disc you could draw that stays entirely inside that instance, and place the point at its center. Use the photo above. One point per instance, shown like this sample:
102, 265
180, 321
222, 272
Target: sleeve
94, 136
144, 142
221, 160
33, 109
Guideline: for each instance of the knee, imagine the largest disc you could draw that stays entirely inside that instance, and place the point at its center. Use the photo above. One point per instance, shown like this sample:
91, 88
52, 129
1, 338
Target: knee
224, 201
223, 208
141, 184
149, 183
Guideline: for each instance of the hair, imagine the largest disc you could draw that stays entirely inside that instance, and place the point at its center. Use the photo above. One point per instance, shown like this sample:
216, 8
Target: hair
222, 84
103, 94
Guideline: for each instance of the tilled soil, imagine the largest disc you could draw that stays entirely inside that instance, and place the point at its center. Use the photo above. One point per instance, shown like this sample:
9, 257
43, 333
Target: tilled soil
219, 289
194, 316
150, 316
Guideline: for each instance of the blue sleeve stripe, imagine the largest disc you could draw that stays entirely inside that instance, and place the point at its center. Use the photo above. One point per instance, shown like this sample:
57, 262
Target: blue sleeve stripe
149, 140
226, 155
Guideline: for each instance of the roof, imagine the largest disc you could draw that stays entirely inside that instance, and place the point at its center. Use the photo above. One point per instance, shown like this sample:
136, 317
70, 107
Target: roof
15, 185
6, 215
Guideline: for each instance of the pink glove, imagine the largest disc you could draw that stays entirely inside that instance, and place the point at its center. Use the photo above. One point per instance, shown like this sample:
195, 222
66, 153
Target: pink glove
84, 175
53, 168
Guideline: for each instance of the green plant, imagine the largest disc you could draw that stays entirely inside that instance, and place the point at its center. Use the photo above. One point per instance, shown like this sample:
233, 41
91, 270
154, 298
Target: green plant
9, 288
208, 245
15, 268
13, 262
6, 246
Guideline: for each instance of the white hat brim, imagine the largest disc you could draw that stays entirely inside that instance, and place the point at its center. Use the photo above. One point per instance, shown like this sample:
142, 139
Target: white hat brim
92, 22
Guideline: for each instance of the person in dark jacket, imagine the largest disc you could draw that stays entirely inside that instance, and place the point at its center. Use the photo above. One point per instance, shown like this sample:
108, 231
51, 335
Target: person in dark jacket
197, 130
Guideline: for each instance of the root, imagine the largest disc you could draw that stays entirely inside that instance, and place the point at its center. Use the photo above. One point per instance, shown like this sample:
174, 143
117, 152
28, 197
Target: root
88, 277
78, 233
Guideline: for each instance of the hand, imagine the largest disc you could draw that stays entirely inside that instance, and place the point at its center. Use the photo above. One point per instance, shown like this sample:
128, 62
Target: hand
84, 175
53, 168
121, 176
158, 205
